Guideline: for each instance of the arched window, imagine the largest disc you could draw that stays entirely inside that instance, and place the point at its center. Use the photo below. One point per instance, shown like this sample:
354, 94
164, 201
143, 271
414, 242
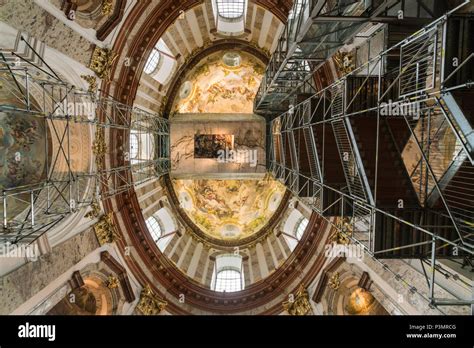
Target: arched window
133, 146
228, 280
300, 228
154, 228
231, 9
228, 274
152, 61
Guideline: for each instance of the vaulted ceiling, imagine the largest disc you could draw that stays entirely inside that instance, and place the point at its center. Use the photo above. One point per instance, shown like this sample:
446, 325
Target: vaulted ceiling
195, 33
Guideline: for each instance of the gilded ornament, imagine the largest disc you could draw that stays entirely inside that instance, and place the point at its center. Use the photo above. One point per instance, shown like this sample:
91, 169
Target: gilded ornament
102, 62
95, 211
150, 303
99, 147
344, 62
92, 81
334, 282
107, 7
343, 232
300, 304
105, 230
112, 282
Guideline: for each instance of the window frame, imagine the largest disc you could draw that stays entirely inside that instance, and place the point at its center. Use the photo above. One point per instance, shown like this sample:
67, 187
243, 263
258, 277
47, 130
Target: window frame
299, 232
231, 10
153, 58
156, 233
222, 284
134, 154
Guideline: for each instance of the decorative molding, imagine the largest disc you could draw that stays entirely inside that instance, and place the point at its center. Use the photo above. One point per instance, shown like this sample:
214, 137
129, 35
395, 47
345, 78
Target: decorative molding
121, 274
102, 61
95, 211
112, 282
334, 281
107, 7
324, 280
299, 304
105, 230
99, 148
150, 303
92, 81
113, 21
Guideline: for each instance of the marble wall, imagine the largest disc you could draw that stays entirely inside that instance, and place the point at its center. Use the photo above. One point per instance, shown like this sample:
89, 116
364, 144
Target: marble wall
25, 282
249, 138
34, 20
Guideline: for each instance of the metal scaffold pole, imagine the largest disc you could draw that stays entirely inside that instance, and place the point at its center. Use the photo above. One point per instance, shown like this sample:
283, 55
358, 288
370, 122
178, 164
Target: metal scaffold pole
443, 215
30, 209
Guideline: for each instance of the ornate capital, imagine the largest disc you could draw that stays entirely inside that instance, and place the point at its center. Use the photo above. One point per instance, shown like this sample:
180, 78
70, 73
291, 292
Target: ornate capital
300, 304
102, 61
105, 230
150, 303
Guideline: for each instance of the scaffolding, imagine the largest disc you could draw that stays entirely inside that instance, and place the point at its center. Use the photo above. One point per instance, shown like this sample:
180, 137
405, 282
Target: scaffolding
35, 92
315, 30
418, 83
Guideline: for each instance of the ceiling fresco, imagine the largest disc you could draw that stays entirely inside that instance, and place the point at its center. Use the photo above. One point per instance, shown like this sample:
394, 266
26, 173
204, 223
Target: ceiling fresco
224, 82
22, 152
229, 209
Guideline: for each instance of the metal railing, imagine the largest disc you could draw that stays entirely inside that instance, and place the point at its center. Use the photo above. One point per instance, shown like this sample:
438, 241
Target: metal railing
307, 40
439, 167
